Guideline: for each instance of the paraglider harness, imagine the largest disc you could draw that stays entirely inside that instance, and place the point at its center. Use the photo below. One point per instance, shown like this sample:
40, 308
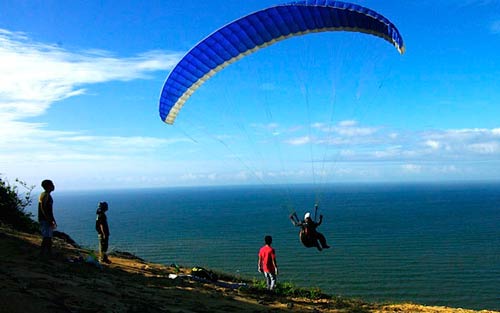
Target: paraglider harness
306, 235
202, 273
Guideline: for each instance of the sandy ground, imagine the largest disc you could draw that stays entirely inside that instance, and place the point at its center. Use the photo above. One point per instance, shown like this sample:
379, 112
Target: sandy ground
66, 283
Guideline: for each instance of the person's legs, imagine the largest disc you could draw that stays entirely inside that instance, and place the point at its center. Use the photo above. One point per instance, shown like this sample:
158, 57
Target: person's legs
43, 246
318, 246
314, 239
46, 245
322, 240
103, 249
272, 285
270, 280
49, 246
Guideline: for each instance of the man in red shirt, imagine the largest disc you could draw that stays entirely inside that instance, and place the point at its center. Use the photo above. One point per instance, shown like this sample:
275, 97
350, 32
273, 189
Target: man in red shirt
267, 263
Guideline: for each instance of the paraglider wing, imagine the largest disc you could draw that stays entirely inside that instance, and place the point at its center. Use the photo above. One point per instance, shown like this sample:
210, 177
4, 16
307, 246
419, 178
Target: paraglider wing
261, 29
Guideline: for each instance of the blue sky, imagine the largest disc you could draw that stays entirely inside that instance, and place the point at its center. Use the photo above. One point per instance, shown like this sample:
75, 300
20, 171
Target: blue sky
80, 82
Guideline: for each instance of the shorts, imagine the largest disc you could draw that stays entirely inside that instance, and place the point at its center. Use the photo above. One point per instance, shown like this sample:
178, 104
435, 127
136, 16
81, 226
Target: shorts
46, 229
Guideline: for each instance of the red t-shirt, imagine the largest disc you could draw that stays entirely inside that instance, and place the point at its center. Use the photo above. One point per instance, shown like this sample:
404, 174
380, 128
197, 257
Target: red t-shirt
267, 256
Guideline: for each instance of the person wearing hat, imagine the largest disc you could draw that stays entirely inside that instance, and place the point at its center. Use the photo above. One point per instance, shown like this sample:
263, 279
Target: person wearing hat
309, 236
102, 228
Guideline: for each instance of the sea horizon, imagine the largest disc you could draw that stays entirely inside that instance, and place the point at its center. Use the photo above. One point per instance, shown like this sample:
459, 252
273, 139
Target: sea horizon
452, 182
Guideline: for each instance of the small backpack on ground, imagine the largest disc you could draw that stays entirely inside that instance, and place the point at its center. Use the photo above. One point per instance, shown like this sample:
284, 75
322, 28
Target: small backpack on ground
200, 272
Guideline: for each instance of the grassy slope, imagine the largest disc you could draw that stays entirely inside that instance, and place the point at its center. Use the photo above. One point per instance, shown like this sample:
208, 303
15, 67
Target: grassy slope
30, 284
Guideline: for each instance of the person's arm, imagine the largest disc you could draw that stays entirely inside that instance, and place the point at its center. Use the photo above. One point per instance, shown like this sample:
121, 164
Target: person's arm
275, 265
295, 221
106, 227
320, 220
259, 264
101, 230
51, 211
54, 224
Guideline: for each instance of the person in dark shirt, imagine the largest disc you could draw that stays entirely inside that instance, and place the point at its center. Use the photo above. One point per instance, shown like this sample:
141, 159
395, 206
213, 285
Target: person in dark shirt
102, 228
46, 217
309, 236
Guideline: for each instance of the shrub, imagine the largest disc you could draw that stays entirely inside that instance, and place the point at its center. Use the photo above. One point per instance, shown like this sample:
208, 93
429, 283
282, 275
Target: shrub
288, 289
258, 284
13, 205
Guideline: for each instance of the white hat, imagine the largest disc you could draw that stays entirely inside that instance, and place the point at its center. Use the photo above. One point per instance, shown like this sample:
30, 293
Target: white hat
307, 215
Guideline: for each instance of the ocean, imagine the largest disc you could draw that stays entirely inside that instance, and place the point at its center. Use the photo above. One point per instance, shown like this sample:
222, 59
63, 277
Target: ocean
434, 244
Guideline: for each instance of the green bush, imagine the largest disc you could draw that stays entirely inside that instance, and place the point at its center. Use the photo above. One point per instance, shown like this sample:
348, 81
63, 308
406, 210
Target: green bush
13, 205
288, 289
258, 284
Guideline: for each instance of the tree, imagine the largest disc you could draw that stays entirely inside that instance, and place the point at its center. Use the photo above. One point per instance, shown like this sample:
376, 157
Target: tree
13, 206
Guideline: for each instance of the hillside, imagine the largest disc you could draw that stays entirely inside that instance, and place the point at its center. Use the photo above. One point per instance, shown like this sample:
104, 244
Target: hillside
67, 283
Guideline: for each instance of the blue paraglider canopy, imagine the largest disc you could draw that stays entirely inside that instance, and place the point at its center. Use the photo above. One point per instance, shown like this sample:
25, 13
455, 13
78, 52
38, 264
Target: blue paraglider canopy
261, 29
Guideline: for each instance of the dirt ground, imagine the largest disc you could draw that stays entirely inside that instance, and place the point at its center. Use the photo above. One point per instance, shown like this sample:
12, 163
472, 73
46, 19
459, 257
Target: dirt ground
70, 282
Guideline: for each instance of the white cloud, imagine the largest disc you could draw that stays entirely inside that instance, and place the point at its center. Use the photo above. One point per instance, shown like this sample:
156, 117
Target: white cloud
388, 153
273, 128
464, 143
197, 177
34, 75
393, 135
39, 145
421, 146
358, 143
318, 125
351, 129
433, 144
118, 142
411, 168
299, 141
347, 128
348, 123
485, 148
264, 126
